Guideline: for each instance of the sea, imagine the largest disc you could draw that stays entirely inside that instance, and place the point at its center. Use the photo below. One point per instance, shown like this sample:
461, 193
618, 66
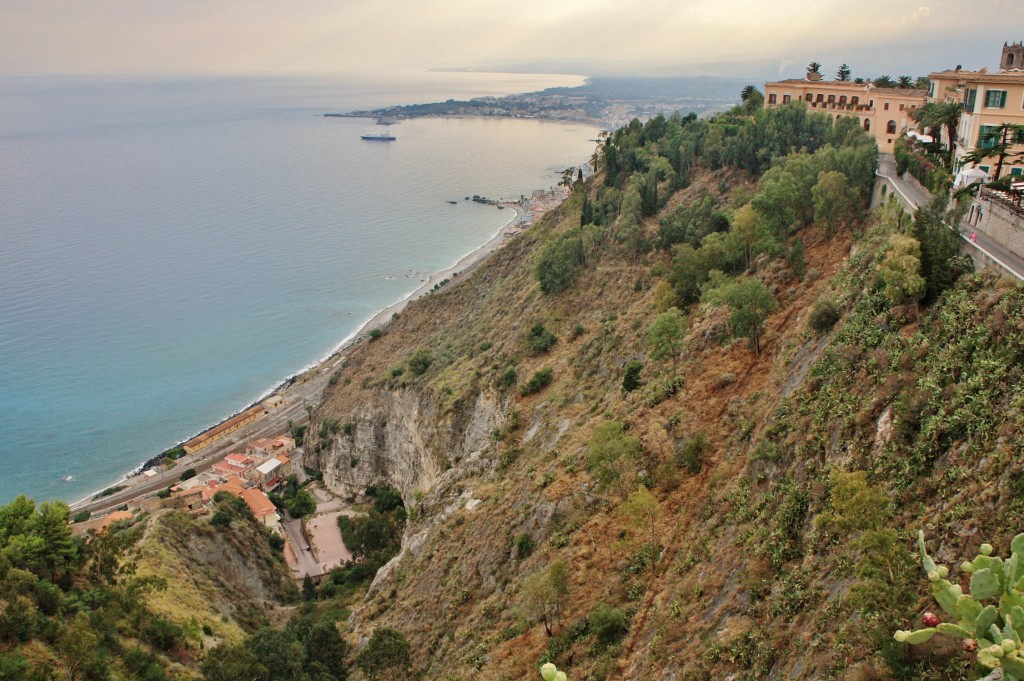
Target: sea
172, 248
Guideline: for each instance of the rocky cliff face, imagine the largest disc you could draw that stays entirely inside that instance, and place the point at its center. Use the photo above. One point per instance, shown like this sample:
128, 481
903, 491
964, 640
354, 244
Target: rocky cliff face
406, 438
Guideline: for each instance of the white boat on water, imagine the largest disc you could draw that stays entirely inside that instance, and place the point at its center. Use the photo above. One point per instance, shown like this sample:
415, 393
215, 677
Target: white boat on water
379, 137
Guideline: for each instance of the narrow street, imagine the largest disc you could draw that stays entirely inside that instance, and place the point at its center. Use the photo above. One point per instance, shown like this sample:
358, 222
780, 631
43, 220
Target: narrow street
912, 196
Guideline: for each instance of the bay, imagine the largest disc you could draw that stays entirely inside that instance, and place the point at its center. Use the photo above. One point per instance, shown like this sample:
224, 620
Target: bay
170, 249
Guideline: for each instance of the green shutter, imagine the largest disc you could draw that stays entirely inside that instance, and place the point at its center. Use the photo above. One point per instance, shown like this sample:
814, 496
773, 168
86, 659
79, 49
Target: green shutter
1002, 98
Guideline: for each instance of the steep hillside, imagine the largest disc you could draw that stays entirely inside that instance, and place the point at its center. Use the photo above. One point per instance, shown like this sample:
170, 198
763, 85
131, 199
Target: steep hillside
723, 499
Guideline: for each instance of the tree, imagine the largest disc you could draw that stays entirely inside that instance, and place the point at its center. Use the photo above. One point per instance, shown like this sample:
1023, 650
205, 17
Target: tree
324, 645
230, 663
752, 98
560, 262
744, 232
386, 656
666, 335
750, 301
884, 81
996, 143
941, 264
843, 74
835, 202
641, 509
905, 82
543, 594
612, 455
937, 115
899, 273
814, 67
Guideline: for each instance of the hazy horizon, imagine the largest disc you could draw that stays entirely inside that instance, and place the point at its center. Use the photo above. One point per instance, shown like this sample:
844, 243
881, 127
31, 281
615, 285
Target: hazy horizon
724, 38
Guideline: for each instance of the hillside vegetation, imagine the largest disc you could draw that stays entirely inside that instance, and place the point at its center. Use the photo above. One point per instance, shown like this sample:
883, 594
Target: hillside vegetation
143, 599
724, 398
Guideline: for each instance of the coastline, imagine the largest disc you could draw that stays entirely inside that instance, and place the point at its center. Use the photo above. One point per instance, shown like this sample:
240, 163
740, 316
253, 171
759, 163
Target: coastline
463, 265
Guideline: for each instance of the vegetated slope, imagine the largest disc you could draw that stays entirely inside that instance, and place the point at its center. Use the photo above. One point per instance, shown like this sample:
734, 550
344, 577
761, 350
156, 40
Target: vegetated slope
140, 600
222, 579
739, 505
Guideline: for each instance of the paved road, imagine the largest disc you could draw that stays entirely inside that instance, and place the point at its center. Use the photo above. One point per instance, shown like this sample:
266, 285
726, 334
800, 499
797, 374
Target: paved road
913, 195
307, 565
296, 396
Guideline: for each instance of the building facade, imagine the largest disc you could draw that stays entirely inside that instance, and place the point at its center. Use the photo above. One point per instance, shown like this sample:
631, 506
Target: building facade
988, 101
882, 112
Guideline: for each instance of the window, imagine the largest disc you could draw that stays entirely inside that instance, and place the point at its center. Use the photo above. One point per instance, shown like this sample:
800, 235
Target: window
891, 128
1009, 59
1017, 172
986, 137
785, 99
820, 98
831, 99
871, 103
901, 107
771, 98
969, 99
855, 100
867, 125
995, 99
885, 107
809, 97
842, 99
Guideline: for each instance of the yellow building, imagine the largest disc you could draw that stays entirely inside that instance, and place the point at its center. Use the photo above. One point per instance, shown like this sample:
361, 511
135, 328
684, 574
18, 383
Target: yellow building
883, 112
989, 100
217, 432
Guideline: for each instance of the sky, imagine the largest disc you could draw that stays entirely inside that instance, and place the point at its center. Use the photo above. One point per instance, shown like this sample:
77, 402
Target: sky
741, 38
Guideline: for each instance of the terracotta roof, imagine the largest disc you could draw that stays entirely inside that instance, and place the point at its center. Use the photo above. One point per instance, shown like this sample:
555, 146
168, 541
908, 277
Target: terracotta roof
258, 502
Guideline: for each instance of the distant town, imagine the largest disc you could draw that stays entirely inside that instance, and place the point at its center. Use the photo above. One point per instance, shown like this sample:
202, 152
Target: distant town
603, 102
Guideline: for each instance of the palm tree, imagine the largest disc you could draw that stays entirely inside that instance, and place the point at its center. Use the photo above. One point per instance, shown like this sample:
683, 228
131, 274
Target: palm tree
752, 98
858, 81
843, 74
905, 82
996, 143
814, 67
935, 115
884, 81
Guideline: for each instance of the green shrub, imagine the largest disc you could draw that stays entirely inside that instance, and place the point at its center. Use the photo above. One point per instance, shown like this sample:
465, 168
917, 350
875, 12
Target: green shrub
419, 361
376, 333
824, 316
690, 454
540, 339
631, 379
81, 516
540, 380
164, 493
187, 474
608, 624
524, 546
508, 377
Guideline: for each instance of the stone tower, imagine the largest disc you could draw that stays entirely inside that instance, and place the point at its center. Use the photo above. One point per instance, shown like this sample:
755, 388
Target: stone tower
1013, 56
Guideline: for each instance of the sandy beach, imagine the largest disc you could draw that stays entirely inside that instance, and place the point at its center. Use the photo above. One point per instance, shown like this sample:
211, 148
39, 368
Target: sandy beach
307, 386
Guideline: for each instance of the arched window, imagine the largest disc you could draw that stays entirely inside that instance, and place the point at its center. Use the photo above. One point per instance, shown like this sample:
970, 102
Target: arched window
842, 99
891, 128
809, 97
820, 98
867, 124
1009, 59
831, 99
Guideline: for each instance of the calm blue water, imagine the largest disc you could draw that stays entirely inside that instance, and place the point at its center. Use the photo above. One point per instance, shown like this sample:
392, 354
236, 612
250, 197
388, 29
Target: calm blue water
169, 250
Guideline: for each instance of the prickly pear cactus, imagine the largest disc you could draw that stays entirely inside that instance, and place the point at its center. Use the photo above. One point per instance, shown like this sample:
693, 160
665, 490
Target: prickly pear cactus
549, 672
993, 630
